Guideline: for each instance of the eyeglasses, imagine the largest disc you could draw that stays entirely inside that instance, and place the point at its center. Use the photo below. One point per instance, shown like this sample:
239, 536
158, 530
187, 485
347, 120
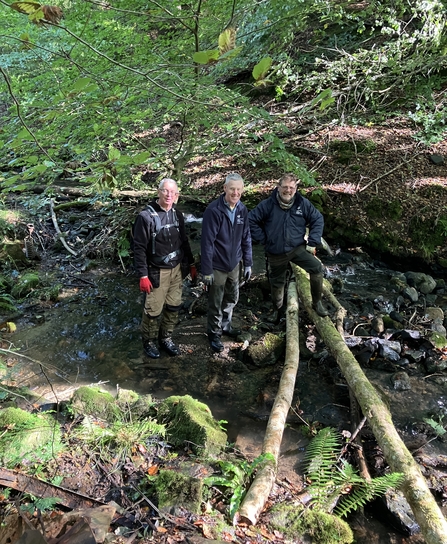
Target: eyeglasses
166, 192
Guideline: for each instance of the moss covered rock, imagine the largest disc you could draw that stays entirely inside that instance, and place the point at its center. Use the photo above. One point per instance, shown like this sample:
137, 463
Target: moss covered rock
188, 420
267, 351
27, 438
321, 527
94, 402
176, 489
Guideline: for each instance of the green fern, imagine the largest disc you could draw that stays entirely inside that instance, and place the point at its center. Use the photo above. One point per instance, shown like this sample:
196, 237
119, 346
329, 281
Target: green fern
333, 481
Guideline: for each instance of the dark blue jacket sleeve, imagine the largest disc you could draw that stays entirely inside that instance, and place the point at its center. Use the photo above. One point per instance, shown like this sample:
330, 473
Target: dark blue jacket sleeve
315, 222
256, 219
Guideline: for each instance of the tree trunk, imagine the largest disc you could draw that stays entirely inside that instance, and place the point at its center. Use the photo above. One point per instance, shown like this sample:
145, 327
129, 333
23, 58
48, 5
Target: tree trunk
259, 491
426, 511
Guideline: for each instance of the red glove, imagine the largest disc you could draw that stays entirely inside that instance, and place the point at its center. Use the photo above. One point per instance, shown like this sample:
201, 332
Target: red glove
145, 284
193, 272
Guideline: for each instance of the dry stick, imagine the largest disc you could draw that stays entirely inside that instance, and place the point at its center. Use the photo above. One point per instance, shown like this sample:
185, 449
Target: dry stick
261, 487
389, 172
58, 230
426, 511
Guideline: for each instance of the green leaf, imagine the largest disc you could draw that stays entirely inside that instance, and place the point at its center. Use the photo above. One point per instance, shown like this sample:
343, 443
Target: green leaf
114, 154
260, 70
206, 57
81, 84
142, 157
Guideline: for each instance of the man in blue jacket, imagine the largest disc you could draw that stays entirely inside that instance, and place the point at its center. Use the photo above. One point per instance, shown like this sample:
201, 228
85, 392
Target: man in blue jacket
279, 223
225, 242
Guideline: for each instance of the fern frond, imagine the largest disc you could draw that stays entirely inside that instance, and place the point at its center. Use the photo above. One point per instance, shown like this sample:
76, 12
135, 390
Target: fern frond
366, 491
321, 455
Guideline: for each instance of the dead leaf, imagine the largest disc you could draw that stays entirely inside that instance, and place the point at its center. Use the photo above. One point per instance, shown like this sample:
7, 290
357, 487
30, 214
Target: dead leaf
53, 14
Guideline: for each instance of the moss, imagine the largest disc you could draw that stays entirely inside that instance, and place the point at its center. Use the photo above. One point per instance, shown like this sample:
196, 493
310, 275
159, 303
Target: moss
94, 402
266, 352
438, 340
345, 150
25, 284
390, 323
189, 420
27, 438
380, 209
323, 528
428, 234
176, 489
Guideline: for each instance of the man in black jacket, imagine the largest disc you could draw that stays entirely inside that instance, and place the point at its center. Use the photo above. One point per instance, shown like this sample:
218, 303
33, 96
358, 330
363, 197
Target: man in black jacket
161, 247
280, 223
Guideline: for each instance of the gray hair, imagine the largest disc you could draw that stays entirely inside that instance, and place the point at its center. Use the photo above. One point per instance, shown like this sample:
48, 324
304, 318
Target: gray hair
288, 177
233, 177
167, 180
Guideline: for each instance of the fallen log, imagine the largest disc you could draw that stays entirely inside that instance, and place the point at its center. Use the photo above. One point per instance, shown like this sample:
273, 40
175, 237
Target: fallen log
426, 511
261, 486
39, 488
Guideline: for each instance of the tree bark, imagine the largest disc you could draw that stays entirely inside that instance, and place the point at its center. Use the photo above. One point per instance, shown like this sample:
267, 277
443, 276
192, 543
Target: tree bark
426, 511
261, 487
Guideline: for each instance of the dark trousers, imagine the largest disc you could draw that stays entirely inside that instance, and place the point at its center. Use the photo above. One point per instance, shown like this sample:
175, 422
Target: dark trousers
278, 267
222, 298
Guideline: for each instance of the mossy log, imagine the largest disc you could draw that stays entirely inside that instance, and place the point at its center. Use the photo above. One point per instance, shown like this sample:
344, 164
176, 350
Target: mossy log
259, 491
426, 511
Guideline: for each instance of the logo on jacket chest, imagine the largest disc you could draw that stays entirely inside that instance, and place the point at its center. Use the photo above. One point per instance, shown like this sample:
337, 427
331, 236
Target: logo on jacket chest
299, 211
239, 220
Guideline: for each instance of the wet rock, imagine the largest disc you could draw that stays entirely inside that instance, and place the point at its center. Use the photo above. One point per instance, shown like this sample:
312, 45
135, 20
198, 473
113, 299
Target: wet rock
390, 350
433, 312
352, 341
423, 282
364, 356
394, 508
415, 355
433, 365
377, 324
400, 381
411, 294
360, 331
396, 316
267, 351
439, 328
403, 362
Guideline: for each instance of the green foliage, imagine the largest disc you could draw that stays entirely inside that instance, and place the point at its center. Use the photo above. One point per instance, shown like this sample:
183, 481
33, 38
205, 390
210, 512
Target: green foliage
236, 477
436, 426
119, 438
335, 482
30, 503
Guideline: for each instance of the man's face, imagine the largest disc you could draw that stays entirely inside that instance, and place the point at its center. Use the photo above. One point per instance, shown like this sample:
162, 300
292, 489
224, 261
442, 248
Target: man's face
233, 192
167, 195
287, 191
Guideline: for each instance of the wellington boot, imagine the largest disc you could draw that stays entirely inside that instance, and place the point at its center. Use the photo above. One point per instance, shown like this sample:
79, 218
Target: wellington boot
320, 309
316, 289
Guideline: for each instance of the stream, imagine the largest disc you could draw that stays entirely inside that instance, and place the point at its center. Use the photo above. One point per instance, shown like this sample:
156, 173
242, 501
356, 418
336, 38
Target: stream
91, 336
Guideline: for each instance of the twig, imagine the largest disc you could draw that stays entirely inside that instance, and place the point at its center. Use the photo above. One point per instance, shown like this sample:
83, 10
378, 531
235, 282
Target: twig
58, 230
389, 172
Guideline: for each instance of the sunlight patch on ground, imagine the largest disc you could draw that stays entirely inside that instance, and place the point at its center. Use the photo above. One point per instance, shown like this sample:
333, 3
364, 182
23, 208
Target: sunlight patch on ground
424, 182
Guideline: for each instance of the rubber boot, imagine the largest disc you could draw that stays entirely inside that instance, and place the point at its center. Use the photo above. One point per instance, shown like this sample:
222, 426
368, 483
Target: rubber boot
150, 328
316, 290
168, 321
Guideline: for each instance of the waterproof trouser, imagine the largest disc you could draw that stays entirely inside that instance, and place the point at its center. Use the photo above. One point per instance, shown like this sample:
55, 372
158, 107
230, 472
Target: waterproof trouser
223, 296
278, 267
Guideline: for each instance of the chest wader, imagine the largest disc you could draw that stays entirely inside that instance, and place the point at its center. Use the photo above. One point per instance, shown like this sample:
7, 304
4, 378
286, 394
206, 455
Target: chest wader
153, 327
316, 290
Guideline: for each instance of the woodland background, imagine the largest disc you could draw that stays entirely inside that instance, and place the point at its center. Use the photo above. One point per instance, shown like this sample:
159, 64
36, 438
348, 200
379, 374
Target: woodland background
349, 95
